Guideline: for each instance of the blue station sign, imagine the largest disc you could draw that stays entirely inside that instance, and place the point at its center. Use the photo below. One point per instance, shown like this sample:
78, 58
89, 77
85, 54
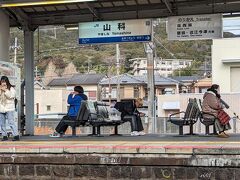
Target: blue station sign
139, 30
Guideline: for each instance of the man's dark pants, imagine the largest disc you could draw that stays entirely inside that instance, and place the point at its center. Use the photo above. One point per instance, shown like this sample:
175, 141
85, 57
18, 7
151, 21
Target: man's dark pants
62, 125
135, 121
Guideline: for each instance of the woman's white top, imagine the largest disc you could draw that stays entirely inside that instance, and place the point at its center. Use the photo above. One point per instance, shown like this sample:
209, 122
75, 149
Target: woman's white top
7, 100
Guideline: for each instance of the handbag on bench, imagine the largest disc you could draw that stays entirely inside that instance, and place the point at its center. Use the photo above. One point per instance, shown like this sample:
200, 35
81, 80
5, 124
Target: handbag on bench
223, 117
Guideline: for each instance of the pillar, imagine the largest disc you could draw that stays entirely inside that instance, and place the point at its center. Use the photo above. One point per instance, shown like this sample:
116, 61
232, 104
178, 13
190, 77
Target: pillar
29, 81
4, 36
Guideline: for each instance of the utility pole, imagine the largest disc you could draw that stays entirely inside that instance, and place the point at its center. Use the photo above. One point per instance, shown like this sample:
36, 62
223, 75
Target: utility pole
15, 47
150, 86
118, 72
15, 51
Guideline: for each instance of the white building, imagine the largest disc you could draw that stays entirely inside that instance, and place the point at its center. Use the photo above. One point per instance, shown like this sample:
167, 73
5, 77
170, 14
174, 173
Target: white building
226, 64
164, 67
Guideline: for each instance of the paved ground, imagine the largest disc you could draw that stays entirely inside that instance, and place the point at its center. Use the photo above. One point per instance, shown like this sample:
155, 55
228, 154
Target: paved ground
148, 137
150, 143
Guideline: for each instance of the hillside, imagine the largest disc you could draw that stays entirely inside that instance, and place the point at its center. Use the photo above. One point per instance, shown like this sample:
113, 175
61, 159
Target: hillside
57, 43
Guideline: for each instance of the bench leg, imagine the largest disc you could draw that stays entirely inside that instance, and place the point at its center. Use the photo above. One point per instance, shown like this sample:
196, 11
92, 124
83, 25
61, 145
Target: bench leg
180, 130
214, 130
98, 130
93, 131
207, 130
74, 131
115, 131
191, 129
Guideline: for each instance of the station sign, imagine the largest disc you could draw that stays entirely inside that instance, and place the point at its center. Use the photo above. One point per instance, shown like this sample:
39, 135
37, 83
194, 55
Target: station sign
139, 30
207, 26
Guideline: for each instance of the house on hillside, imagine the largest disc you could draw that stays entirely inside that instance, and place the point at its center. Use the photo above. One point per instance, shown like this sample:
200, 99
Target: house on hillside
164, 67
188, 83
89, 82
136, 86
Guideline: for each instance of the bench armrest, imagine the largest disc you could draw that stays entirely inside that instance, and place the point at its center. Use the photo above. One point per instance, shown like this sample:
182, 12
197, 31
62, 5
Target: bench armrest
174, 114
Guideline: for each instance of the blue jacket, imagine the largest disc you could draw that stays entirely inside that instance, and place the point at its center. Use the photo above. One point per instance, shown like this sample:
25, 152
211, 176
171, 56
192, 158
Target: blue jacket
74, 103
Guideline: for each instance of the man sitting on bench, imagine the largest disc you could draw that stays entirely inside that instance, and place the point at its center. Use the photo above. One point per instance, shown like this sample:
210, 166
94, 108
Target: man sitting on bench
74, 100
130, 113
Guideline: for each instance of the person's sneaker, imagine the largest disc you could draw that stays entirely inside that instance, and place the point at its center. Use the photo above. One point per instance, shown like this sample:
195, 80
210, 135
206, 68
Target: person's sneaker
134, 133
5, 138
141, 133
222, 135
16, 138
55, 135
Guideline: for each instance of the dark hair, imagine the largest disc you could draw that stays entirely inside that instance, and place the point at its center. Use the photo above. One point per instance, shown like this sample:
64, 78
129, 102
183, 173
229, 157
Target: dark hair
6, 80
79, 89
214, 88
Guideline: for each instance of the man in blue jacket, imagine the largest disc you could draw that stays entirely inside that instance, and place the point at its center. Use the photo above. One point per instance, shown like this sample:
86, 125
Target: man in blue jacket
74, 100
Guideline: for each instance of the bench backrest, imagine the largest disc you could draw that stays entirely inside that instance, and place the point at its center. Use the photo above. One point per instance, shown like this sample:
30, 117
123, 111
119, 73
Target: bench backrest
196, 112
92, 113
82, 112
188, 110
101, 109
192, 112
86, 112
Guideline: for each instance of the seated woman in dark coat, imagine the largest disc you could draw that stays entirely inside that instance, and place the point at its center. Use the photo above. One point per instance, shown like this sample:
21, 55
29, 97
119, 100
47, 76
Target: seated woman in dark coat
211, 105
130, 113
74, 100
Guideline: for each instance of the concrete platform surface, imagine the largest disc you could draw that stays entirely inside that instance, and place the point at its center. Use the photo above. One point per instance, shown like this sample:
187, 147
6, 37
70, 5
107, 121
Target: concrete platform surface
150, 143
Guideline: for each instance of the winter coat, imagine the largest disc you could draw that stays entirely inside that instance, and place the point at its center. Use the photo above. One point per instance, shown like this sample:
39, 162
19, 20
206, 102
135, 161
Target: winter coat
211, 103
74, 101
126, 108
7, 100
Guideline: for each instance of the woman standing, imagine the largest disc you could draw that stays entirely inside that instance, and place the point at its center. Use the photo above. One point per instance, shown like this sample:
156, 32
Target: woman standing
211, 105
7, 108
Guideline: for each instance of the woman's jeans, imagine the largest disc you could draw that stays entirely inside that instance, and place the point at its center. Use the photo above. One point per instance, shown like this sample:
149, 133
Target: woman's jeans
9, 116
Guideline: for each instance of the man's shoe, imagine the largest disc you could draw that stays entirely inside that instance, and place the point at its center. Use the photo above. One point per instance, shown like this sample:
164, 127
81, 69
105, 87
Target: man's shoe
5, 138
16, 138
134, 133
222, 135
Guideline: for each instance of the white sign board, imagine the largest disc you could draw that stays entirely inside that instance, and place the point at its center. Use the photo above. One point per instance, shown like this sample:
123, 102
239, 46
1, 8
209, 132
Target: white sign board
139, 30
195, 27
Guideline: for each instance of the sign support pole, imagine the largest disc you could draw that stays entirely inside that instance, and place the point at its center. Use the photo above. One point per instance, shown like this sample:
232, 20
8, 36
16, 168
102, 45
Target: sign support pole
150, 88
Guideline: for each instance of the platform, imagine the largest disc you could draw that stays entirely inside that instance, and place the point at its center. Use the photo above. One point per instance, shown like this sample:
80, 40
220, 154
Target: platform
150, 143
121, 157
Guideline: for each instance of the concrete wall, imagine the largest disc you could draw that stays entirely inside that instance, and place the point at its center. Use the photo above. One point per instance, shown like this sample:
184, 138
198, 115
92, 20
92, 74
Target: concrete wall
224, 49
121, 166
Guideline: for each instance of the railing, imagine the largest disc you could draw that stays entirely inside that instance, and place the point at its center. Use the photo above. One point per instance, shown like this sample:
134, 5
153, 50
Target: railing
163, 126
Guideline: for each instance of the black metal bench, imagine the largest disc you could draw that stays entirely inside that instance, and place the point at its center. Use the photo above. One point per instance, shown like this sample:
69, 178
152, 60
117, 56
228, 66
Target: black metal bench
103, 118
190, 117
93, 114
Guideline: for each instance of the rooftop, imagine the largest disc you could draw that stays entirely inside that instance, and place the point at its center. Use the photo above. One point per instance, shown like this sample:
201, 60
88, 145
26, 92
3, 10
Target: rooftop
83, 79
36, 13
